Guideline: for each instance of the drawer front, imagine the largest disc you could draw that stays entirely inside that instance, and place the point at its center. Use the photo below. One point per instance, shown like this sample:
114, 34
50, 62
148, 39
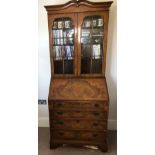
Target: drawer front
60, 114
78, 135
80, 105
78, 125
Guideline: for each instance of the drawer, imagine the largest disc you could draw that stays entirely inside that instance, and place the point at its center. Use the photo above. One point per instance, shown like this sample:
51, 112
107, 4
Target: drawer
78, 124
78, 135
80, 105
62, 114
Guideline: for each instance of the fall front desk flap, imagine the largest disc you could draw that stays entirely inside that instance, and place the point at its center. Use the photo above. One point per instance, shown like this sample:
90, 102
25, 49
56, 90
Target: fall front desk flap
78, 89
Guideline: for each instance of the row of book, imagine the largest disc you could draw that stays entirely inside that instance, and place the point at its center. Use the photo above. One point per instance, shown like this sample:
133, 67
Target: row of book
92, 41
93, 23
61, 33
88, 33
65, 52
62, 24
91, 51
63, 41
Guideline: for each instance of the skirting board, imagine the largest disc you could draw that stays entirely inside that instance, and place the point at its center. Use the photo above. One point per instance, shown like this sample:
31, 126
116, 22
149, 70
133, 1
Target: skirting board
44, 122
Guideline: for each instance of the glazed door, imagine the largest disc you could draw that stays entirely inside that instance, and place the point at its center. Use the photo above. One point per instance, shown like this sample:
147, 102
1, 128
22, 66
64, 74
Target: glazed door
92, 40
63, 46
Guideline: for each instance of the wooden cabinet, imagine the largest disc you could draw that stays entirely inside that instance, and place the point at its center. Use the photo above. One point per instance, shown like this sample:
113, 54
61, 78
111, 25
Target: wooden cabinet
78, 96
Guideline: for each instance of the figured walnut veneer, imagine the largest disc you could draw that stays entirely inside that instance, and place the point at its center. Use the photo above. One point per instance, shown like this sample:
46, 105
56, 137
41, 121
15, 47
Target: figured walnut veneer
78, 89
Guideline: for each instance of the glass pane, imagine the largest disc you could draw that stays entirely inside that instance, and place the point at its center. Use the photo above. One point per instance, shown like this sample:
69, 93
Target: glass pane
63, 46
58, 67
68, 66
92, 37
85, 65
96, 66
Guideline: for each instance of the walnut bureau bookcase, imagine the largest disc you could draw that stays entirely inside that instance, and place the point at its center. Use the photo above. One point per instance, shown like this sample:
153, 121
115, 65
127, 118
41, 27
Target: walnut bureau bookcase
78, 97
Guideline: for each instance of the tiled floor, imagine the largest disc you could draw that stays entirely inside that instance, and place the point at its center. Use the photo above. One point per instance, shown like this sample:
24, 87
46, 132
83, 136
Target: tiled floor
43, 140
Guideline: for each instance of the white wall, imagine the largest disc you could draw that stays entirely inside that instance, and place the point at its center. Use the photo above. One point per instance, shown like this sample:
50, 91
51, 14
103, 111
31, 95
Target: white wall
111, 66
44, 61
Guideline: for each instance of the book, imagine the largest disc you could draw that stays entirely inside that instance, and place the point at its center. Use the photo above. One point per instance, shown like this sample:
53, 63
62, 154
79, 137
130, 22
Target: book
97, 51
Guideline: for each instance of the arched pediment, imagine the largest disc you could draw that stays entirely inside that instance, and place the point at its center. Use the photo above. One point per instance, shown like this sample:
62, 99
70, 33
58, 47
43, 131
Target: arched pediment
78, 3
